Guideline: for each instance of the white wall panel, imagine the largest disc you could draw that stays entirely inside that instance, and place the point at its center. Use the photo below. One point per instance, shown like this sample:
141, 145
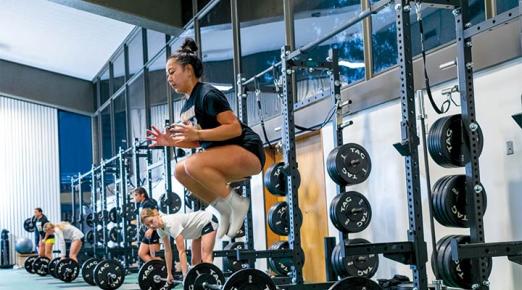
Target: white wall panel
29, 163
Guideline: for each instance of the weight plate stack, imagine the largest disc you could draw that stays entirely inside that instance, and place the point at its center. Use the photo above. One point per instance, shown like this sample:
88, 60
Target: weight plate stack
230, 262
278, 218
109, 274
148, 274
67, 270
89, 220
41, 266
52, 266
114, 215
28, 263
87, 271
355, 283
99, 235
349, 164
170, 203
204, 273
280, 266
129, 211
449, 201
251, 279
115, 235
89, 237
448, 141
454, 273
275, 179
132, 231
359, 266
350, 212
29, 225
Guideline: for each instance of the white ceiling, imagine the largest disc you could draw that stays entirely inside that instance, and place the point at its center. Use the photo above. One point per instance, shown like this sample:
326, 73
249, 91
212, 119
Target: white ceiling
58, 38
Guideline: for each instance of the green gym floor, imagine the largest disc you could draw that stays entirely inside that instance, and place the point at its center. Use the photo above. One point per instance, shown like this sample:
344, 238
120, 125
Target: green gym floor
19, 279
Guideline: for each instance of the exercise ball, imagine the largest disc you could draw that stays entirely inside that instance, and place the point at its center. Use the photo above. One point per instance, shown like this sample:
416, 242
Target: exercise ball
24, 246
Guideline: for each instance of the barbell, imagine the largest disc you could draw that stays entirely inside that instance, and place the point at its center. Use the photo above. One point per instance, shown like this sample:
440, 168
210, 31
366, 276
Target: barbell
153, 276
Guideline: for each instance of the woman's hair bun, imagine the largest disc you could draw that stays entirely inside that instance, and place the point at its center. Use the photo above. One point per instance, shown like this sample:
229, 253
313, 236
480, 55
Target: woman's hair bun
189, 46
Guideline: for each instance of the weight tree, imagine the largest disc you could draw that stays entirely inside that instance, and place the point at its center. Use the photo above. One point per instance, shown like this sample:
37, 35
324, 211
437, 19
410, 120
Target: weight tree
476, 250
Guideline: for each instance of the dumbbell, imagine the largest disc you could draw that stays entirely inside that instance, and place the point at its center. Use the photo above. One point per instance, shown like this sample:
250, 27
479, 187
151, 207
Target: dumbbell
152, 275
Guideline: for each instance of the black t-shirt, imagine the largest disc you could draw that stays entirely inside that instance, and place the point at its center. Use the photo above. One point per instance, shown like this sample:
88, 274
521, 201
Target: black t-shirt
201, 109
149, 203
39, 224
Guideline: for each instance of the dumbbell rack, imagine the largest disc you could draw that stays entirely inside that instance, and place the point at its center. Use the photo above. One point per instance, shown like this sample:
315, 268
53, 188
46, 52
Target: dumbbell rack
477, 248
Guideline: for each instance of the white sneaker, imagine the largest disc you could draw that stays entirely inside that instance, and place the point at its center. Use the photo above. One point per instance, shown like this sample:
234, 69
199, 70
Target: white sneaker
224, 216
239, 209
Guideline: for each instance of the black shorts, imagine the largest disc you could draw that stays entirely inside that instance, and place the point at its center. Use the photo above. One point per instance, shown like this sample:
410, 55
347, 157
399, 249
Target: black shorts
210, 227
256, 147
154, 239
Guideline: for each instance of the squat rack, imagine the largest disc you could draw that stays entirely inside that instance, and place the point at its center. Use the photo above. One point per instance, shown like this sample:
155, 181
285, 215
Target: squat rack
412, 252
477, 248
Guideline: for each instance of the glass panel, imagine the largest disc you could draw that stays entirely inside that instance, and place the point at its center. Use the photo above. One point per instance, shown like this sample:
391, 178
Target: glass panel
137, 108
138, 125
106, 133
504, 5
135, 48
439, 29
158, 115
202, 3
384, 40
120, 122
118, 71
217, 48
155, 42
176, 44
259, 48
477, 10
313, 20
159, 111
158, 81
96, 85
105, 92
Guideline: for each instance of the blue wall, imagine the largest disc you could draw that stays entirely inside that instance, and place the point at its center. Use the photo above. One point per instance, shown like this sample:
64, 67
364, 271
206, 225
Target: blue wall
75, 142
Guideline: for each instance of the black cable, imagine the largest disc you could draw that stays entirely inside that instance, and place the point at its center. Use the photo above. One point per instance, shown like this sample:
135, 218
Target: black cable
263, 122
446, 103
257, 91
318, 127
